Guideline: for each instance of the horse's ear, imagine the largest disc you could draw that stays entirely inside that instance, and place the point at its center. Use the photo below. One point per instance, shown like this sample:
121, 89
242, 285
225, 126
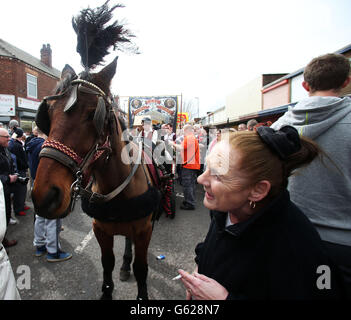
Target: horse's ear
109, 71
67, 71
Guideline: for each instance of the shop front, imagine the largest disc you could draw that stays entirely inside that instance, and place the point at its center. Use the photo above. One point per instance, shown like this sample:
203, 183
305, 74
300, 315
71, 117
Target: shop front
26, 112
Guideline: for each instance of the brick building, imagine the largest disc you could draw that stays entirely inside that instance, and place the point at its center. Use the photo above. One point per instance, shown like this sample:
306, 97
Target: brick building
24, 81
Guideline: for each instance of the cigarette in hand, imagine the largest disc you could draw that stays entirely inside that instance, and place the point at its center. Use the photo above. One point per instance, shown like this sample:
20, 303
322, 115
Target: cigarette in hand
177, 277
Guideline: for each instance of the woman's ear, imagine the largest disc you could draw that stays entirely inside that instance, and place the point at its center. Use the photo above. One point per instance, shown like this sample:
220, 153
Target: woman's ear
260, 191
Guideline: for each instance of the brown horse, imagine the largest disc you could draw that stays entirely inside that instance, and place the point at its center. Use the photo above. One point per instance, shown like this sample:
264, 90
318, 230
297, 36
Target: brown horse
85, 143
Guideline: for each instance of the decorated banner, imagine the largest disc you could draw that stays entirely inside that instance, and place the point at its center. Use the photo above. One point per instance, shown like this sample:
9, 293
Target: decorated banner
161, 109
183, 117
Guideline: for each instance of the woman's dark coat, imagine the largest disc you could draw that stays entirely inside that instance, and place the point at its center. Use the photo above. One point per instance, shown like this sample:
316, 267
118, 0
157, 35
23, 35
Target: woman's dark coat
276, 254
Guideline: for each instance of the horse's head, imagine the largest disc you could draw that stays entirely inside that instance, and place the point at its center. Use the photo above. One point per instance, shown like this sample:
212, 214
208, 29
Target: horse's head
76, 120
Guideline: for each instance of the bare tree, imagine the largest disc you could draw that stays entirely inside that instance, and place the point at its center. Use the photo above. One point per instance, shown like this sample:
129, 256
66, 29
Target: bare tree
190, 106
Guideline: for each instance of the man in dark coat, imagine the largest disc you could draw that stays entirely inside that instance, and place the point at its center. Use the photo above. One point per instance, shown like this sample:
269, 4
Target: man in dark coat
33, 149
19, 189
8, 178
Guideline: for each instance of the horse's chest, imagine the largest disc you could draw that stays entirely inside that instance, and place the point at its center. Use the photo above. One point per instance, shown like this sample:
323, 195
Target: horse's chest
121, 228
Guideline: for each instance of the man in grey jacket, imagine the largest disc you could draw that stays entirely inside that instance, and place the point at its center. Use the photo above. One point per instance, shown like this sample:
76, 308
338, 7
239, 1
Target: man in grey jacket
322, 190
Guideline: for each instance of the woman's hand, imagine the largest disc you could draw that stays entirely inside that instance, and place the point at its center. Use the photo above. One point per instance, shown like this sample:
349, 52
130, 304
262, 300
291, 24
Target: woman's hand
201, 287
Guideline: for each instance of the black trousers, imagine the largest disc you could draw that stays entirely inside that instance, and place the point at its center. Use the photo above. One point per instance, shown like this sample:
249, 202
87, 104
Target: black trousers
8, 207
341, 256
19, 191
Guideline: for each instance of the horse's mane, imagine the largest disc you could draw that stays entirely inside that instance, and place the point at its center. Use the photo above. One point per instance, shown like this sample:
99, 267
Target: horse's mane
94, 39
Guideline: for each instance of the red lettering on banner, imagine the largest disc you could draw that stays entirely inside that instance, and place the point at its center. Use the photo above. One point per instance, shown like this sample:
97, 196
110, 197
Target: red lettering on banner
165, 109
153, 101
140, 109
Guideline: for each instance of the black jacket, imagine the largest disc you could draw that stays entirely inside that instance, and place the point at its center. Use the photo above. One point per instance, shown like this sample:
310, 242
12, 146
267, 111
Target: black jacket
6, 167
16, 147
273, 255
33, 149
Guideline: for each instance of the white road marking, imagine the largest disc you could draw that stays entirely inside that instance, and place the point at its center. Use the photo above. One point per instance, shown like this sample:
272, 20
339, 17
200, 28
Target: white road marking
84, 243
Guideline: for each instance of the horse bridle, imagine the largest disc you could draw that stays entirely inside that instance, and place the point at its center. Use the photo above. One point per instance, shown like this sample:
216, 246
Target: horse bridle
56, 150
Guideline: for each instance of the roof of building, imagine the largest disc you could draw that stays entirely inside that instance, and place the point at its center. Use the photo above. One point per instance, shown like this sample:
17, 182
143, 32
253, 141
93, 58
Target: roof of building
8, 50
301, 70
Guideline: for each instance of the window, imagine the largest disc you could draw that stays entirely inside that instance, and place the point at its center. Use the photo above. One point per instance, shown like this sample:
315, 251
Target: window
32, 87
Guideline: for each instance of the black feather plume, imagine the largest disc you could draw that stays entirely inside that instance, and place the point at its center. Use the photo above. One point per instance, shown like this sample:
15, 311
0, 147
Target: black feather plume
94, 39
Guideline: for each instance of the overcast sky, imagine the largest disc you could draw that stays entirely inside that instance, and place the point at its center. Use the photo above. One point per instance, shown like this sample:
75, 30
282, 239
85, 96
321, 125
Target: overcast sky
197, 48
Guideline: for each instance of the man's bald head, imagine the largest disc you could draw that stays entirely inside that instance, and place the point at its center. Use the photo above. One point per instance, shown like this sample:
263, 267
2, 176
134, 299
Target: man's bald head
4, 138
188, 129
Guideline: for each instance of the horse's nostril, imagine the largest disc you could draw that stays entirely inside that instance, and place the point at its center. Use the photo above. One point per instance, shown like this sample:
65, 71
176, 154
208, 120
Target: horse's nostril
53, 199
51, 202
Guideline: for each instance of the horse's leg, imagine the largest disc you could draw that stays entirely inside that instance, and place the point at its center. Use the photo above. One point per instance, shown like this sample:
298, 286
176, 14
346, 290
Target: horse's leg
108, 261
124, 273
140, 267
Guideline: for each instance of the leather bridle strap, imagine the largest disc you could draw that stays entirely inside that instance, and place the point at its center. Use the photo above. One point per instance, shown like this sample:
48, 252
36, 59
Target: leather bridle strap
97, 90
61, 157
57, 151
100, 198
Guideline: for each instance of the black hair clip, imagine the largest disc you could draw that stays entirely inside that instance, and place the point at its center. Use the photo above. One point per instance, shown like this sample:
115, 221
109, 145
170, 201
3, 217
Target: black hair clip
283, 142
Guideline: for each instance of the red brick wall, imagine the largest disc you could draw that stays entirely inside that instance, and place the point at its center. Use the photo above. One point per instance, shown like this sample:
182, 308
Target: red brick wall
7, 76
13, 79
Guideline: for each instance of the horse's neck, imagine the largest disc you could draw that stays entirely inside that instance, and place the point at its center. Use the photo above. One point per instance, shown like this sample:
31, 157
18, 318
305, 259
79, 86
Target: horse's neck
117, 169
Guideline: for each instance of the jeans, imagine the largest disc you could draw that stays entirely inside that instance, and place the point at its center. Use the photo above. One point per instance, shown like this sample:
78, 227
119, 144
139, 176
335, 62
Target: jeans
46, 233
189, 177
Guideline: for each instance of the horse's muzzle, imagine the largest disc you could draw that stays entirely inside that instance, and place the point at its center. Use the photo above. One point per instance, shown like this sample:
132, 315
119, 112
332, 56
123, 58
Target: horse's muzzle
49, 205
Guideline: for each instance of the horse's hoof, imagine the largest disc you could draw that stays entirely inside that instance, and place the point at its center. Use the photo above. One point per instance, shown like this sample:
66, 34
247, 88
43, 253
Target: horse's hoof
106, 296
124, 275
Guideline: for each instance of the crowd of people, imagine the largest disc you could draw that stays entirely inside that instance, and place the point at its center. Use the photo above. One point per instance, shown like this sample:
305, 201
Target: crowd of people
278, 194
18, 154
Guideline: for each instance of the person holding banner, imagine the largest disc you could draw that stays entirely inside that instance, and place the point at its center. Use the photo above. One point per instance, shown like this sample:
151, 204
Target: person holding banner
147, 132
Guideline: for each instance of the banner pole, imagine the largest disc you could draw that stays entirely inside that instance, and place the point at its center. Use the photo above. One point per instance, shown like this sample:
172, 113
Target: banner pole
181, 110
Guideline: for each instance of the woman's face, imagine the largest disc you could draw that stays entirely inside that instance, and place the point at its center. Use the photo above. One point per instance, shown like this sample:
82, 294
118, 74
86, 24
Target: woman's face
225, 185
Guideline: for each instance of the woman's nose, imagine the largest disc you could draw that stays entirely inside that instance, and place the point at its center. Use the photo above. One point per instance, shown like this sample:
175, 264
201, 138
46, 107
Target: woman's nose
201, 179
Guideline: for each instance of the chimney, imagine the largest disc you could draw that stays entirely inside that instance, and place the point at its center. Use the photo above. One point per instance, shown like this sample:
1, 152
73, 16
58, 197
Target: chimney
46, 55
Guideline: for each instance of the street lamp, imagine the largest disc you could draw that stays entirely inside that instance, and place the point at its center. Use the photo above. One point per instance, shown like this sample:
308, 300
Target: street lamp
198, 103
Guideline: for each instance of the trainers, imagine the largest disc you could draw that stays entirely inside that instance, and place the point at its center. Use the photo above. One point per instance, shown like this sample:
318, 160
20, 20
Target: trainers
12, 221
59, 256
21, 213
40, 251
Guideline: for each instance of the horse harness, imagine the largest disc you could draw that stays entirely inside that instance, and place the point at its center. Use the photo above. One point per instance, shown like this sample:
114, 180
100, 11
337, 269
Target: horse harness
66, 156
